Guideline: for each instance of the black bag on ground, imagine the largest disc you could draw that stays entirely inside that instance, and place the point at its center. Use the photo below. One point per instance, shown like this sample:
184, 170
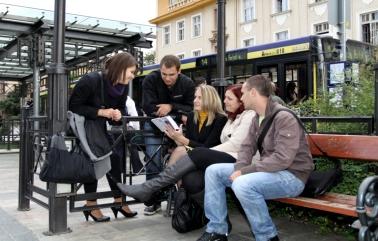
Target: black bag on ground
62, 166
187, 214
320, 181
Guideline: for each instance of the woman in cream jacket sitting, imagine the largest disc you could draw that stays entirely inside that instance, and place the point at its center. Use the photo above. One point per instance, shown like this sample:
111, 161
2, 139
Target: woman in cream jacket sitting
191, 167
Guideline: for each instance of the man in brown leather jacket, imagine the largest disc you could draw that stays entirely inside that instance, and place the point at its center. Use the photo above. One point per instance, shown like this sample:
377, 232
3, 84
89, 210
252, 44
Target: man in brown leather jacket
283, 168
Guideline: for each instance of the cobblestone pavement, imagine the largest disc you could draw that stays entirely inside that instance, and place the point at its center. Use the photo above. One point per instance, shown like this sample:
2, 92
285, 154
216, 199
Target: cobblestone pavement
31, 225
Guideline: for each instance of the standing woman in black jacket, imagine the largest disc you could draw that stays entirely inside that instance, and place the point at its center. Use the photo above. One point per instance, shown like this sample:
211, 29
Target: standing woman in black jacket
103, 95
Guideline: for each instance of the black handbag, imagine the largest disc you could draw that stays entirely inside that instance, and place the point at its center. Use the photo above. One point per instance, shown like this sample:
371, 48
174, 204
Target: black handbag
63, 166
319, 181
187, 214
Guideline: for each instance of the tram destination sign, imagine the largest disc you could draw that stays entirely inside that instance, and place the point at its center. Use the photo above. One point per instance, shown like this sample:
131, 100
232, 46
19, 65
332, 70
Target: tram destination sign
279, 51
230, 57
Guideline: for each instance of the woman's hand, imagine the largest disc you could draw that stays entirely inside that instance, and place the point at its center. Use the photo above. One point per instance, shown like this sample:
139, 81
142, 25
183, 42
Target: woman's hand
176, 135
116, 115
110, 113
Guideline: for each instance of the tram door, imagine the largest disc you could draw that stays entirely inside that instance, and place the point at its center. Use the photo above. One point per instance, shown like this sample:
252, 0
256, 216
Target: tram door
296, 84
271, 72
290, 80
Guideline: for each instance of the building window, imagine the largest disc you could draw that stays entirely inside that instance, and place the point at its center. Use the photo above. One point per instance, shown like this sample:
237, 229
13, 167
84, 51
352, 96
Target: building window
370, 27
196, 53
282, 35
282, 5
180, 31
249, 10
180, 56
248, 42
196, 26
321, 28
167, 35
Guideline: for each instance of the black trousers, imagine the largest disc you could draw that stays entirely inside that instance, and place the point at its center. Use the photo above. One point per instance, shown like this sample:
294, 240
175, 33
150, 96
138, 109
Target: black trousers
194, 182
117, 165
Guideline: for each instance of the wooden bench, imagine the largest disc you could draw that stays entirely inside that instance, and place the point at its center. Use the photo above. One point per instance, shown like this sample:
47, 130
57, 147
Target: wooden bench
351, 147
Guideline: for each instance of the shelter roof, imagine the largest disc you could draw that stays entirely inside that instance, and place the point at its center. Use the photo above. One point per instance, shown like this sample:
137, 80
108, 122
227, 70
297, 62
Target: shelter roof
23, 30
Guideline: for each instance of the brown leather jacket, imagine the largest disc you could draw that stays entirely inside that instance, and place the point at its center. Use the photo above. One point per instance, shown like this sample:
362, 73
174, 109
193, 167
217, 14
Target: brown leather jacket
285, 146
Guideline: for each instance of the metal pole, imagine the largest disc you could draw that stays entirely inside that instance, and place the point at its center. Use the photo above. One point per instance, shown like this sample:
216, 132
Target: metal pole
343, 30
36, 79
220, 39
376, 100
221, 83
36, 88
57, 106
23, 201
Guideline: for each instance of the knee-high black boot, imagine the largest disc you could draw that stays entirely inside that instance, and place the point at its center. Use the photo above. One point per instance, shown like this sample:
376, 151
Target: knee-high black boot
170, 175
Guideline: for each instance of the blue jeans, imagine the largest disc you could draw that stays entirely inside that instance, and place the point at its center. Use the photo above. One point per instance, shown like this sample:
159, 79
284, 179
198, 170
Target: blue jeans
252, 190
152, 142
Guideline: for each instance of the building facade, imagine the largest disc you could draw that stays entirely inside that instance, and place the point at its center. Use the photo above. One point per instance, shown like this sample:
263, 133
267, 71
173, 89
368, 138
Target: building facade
188, 28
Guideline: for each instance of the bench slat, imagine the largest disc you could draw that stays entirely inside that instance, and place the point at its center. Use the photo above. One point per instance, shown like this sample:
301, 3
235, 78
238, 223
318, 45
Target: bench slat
354, 147
330, 202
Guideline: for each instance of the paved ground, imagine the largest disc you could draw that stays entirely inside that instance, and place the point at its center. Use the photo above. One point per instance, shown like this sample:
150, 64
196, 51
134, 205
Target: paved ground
30, 225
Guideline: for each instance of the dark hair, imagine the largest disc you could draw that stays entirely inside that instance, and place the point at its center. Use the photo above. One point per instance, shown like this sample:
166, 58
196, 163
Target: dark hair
290, 91
199, 81
261, 84
117, 64
236, 90
170, 61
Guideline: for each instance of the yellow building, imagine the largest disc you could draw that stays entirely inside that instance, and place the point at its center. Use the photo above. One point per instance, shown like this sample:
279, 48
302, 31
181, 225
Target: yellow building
187, 28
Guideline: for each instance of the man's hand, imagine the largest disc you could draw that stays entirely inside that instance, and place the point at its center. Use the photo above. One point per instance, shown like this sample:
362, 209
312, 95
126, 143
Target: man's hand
235, 175
163, 109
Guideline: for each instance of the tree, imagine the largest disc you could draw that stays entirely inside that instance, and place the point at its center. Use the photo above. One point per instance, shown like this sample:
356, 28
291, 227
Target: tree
11, 104
149, 58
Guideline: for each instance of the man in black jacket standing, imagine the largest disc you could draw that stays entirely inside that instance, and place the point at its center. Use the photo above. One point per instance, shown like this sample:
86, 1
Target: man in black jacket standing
165, 92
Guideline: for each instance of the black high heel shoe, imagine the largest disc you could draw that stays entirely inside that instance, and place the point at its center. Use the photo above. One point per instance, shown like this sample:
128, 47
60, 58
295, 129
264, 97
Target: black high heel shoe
88, 213
124, 213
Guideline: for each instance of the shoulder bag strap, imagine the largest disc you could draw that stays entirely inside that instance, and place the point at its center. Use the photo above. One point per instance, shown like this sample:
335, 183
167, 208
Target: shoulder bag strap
325, 154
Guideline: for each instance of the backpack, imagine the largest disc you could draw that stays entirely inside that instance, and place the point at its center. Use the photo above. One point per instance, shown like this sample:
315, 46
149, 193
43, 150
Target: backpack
319, 181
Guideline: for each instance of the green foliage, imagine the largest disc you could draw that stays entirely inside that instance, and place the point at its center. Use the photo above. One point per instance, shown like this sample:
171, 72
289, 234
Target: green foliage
11, 104
356, 98
149, 58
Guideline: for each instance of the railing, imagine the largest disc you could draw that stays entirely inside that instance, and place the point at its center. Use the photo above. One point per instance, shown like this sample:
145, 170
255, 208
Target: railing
351, 125
9, 133
362, 125
33, 147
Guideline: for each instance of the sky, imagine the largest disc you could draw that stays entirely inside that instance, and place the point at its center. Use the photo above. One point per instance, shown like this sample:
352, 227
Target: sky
134, 11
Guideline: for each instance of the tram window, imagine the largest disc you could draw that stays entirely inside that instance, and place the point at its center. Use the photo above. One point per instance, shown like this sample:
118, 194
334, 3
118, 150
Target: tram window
194, 74
270, 73
291, 75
